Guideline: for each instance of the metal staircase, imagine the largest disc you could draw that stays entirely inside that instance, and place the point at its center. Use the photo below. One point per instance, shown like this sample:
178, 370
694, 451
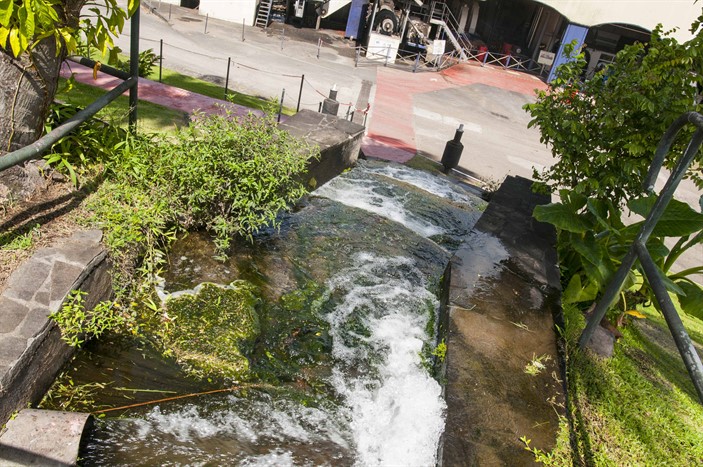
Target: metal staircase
441, 15
263, 14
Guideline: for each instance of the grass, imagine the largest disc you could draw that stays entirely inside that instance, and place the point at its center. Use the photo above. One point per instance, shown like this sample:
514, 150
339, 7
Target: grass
638, 407
151, 118
207, 88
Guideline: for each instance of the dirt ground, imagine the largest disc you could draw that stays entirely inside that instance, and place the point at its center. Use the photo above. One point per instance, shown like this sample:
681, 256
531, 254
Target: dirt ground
52, 213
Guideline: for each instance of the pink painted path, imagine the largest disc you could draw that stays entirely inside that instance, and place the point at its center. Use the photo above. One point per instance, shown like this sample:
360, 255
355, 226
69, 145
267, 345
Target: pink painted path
391, 133
159, 93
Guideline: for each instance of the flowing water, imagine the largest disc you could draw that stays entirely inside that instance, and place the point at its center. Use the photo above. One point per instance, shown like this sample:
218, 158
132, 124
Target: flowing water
349, 290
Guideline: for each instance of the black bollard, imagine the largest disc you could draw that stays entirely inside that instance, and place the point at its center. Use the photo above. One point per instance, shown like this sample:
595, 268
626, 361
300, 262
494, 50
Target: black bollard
452, 151
330, 105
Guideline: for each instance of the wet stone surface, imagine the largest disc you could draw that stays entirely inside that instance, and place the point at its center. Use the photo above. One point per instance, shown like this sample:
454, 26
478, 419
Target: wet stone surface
503, 376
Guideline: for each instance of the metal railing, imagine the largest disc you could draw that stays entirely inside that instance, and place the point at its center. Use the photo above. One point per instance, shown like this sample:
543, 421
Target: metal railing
44, 143
403, 59
638, 250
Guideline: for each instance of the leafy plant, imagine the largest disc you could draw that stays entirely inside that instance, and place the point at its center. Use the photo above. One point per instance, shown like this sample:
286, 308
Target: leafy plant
92, 142
604, 131
147, 62
78, 324
592, 240
19, 241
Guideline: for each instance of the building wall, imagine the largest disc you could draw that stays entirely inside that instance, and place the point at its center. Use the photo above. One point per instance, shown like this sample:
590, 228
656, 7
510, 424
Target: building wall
643, 13
232, 10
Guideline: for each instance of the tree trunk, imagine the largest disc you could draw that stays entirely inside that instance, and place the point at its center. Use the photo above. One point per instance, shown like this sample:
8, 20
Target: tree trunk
27, 88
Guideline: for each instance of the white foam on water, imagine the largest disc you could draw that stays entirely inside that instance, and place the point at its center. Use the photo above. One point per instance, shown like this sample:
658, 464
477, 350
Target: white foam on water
249, 421
396, 409
364, 194
276, 458
425, 181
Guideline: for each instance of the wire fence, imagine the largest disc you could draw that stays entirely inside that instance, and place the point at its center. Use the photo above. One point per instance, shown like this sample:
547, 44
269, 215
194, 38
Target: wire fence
292, 91
419, 61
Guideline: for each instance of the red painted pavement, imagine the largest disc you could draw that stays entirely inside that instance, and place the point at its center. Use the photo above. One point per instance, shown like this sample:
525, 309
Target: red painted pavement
159, 93
391, 133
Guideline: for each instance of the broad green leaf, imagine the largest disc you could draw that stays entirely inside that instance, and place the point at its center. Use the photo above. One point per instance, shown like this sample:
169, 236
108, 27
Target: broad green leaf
132, 6
15, 42
6, 9
678, 219
27, 25
588, 248
599, 273
562, 217
575, 292
4, 32
692, 302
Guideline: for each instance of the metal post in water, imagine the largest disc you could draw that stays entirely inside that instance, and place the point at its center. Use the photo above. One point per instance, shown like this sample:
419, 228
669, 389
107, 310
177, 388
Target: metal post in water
229, 60
242, 29
207, 16
280, 107
161, 57
300, 94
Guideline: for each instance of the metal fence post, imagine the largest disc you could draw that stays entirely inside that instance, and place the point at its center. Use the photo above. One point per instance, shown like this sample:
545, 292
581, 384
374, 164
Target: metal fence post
134, 71
161, 57
485, 58
207, 16
300, 94
229, 61
356, 58
417, 62
283, 36
388, 54
280, 107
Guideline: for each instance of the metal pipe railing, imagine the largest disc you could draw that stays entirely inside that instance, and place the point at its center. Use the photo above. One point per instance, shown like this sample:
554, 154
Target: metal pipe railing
638, 250
36, 149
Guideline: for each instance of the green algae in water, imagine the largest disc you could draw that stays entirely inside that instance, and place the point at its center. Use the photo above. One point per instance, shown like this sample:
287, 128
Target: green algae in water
213, 332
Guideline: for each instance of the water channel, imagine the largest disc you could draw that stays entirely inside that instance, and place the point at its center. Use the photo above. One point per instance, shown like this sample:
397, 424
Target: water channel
341, 371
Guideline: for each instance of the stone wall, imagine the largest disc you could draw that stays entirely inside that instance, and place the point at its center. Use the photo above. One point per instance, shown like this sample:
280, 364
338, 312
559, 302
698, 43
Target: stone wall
31, 349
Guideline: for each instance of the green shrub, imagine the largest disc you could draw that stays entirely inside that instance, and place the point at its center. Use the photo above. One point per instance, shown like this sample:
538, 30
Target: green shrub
229, 177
